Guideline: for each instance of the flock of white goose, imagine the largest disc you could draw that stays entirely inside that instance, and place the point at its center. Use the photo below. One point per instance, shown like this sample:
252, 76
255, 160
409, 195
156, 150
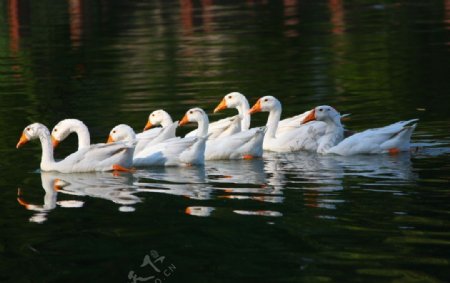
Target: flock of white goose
318, 130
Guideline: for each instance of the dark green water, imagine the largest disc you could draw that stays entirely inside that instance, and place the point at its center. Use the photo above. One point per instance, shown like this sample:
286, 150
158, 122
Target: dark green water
284, 218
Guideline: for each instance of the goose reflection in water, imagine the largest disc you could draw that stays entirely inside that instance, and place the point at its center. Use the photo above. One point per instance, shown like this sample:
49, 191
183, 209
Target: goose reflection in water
265, 180
115, 188
322, 176
50, 199
243, 179
188, 182
329, 170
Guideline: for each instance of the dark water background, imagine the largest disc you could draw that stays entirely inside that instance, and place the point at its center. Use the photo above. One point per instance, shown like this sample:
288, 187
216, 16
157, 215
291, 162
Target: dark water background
284, 218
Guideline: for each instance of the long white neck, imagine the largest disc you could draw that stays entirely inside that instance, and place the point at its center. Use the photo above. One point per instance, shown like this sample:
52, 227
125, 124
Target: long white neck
272, 121
166, 120
50, 193
84, 138
243, 108
334, 133
47, 149
203, 123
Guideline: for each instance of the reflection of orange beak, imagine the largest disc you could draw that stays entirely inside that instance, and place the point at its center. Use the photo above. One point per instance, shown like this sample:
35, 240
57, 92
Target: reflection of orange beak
23, 140
222, 105
20, 200
256, 107
55, 142
148, 125
311, 117
56, 187
184, 121
188, 210
110, 139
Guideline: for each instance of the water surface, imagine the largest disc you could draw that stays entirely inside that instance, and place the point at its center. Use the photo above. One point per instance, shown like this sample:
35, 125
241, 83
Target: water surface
284, 218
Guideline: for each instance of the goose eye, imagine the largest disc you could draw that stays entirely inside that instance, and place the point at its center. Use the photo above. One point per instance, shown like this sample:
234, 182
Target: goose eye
191, 112
28, 129
55, 130
266, 99
229, 96
153, 115
328, 109
114, 132
320, 109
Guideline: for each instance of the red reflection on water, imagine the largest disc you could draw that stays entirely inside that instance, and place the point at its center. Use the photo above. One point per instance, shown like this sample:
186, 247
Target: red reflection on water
251, 3
76, 22
14, 25
291, 17
447, 11
186, 16
207, 15
337, 16
447, 15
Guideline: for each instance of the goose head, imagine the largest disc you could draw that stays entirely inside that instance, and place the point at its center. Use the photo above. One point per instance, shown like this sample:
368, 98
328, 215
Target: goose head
265, 104
121, 132
63, 129
231, 100
193, 115
158, 117
323, 113
31, 132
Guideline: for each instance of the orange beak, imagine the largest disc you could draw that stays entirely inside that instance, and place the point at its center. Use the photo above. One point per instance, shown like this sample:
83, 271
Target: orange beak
311, 117
148, 125
222, 105
55, 142
184, 121
188, 210
23, 140
110, 139
256, 107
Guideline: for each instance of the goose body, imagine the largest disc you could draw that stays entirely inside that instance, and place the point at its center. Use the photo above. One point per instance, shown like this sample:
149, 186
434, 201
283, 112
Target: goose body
389, 139
240, 145
290, 138
172, 152
98, 157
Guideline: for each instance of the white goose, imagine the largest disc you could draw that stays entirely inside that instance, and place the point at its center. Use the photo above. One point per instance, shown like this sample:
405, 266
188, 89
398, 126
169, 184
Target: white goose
237, 100
99, 157
389, 139
241, 145
302, 137
153, 136
66, 127
171, 152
